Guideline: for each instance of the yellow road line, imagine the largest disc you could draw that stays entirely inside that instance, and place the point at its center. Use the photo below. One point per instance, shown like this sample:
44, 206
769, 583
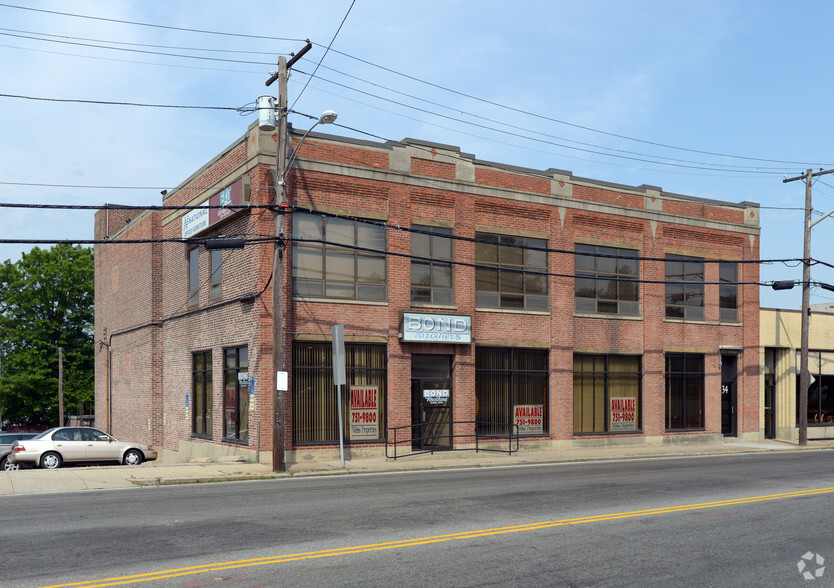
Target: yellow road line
165, 574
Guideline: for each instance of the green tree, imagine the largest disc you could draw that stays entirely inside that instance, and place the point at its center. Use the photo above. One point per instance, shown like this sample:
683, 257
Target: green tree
46, 302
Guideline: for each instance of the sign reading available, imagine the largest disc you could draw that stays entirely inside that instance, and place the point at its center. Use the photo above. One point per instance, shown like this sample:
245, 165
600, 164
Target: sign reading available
198, 220
364, 412
623, 414
529, 418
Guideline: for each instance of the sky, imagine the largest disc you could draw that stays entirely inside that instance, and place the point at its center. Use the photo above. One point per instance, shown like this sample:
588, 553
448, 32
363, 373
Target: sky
715, 99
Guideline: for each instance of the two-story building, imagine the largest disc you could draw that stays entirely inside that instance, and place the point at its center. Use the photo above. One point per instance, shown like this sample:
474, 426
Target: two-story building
474, 296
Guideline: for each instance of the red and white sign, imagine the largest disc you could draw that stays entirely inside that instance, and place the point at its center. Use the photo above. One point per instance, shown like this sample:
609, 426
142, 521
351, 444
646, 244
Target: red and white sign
623, 413
364, 412
529, 418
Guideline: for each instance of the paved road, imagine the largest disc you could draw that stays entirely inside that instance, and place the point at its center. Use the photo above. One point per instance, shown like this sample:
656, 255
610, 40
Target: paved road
743, 520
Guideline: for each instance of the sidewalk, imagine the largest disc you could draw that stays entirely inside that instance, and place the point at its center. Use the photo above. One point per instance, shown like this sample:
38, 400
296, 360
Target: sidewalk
70, 479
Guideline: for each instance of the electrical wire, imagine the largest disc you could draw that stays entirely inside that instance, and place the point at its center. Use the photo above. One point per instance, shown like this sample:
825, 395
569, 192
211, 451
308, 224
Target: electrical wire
414, 78
297, 98
114, 103
156, 26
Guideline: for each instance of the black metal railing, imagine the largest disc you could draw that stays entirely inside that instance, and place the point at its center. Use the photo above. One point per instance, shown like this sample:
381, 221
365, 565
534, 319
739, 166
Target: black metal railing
428, 437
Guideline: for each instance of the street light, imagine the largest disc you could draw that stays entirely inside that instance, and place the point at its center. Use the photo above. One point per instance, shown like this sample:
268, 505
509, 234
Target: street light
327, 117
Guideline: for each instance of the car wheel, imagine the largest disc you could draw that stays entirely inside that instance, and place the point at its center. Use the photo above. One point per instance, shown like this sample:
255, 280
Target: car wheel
7, 465
51, 460
132, 457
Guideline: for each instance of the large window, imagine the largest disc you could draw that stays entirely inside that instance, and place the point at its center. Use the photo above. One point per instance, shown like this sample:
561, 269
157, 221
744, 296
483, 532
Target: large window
820, 387
315, 411
728, 292
684, 288
516, 277
606, 280
193, 277
511, 389
337, 269
236, 394
216, 287
431, 281
684, 391
201, 416
606, 393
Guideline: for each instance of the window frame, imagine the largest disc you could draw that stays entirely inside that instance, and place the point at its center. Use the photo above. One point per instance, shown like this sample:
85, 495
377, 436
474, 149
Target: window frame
240, 401
513, 377
311, 257
216, 275
688, 285
607, 375
319, 373
203, 393
728, 307
436, 237
193, 268
511, 279
686, 379
618, 276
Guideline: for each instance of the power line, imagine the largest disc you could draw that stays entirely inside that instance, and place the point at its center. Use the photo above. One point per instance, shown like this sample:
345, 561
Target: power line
425, 82
156, 26
114, 103
558, 121
297, 98
180, 48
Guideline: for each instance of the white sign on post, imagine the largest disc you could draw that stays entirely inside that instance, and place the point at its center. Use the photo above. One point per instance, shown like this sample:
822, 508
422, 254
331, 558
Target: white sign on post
339, 380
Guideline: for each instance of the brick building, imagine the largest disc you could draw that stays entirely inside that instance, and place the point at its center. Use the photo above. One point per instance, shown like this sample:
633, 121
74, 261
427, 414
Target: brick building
472, 293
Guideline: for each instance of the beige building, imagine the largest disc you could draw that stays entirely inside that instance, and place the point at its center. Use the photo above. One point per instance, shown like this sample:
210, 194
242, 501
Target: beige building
780, 345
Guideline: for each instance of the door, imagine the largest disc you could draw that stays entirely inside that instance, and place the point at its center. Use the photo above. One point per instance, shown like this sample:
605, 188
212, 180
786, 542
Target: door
100, 447
728, 396
431, 398
70, 444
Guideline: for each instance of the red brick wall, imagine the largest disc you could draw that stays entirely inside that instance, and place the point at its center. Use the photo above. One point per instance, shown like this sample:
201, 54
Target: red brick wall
154, 366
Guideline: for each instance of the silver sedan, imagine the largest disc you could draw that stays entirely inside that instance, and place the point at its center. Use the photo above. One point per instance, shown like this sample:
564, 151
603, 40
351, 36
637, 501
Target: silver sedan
52, 448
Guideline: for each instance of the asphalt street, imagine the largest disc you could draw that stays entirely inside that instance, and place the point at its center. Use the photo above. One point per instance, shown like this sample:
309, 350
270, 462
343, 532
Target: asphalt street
721, 520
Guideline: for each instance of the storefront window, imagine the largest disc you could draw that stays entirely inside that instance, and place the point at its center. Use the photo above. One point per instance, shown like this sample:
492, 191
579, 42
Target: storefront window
606, 393
315, 412
684, 391
820, 388
236, 394
511, 389
201, 416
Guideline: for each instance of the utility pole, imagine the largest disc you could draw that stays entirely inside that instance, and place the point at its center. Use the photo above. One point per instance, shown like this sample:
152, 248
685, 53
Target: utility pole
806, 304
278, 451
60, 386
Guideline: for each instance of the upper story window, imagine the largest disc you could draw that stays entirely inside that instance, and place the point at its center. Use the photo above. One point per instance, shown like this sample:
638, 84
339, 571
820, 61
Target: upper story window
216, 283
728, 292
606, 280
193, 277
684, 287
431, 281
510, 281
336, 269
